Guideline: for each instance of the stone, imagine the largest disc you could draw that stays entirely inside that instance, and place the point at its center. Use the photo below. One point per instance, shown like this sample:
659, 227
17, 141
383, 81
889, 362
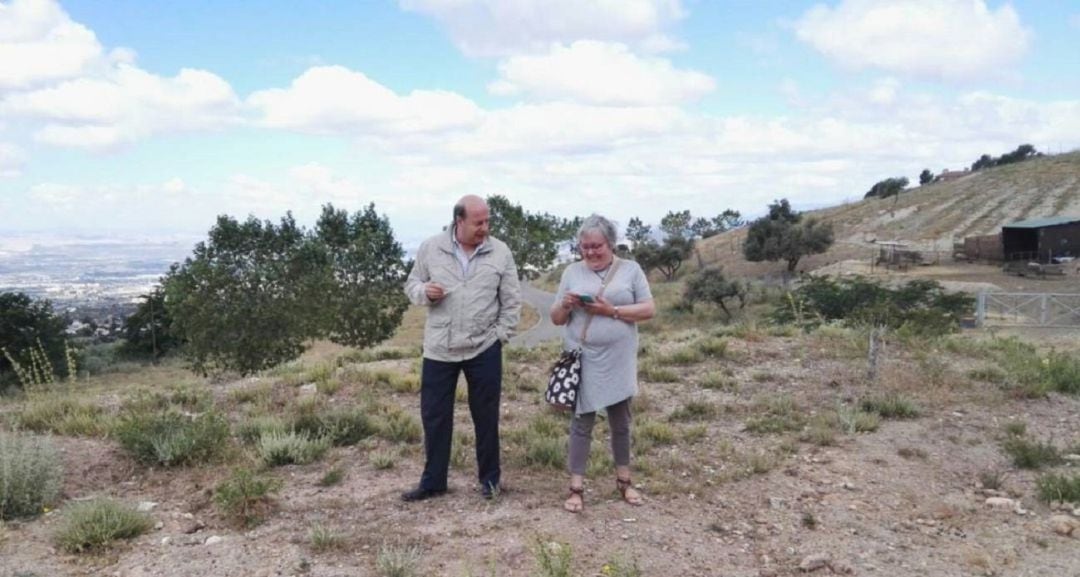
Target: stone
308, 389
1001, 503
842, 567
146, 506
192, 526
1065, 525
814, 562
213, 540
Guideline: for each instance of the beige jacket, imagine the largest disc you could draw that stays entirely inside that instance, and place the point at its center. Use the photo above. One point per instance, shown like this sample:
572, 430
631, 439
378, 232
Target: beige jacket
478, 309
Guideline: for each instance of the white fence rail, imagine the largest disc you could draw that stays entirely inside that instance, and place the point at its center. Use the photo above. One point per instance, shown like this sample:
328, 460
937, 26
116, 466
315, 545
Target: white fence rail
1028, 309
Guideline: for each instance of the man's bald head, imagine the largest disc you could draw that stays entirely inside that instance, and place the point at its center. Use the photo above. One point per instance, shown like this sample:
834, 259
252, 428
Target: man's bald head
468, 204
471, 217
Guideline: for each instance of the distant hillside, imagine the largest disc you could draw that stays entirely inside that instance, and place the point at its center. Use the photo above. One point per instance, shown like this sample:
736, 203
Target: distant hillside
931, 216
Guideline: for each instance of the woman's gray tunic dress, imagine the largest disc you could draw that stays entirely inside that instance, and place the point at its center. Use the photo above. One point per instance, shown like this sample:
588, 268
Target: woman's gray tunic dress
609, 357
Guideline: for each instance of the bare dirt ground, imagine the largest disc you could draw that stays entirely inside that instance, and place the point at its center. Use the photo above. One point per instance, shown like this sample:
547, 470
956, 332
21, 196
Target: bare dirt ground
905, 499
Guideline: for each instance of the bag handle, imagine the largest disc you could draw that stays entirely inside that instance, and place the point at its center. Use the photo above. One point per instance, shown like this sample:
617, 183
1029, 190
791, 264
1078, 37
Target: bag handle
603, 285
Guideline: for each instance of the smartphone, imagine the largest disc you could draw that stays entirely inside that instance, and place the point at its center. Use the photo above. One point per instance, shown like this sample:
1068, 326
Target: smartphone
587, 299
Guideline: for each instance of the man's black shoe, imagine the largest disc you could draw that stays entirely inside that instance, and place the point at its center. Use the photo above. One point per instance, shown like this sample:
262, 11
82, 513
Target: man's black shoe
420, 494
490, 491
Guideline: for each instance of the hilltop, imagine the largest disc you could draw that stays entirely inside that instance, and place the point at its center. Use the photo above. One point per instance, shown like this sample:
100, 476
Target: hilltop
930, 217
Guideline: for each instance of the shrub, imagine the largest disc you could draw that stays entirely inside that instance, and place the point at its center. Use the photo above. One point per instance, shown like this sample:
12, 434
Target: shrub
712, 287
922, 306
245, 496
92, 525
399, 427
1031, 454
1064, 488
382, 460
171, 439
718, 381
343, 427
276, 449
30, 475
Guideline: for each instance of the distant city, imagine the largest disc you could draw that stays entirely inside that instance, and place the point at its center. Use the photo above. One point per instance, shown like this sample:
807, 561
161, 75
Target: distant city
99, 279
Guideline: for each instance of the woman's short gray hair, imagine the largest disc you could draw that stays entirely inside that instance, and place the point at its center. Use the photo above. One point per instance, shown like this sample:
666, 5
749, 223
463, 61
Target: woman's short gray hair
597, 223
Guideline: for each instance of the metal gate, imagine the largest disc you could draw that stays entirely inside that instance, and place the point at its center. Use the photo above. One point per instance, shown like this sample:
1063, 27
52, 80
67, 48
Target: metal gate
1028, 309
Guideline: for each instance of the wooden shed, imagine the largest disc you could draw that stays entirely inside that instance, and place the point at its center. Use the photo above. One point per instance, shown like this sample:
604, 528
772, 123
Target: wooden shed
1042, 239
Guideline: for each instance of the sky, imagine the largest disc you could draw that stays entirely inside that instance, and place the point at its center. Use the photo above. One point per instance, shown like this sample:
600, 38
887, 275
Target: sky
135, 118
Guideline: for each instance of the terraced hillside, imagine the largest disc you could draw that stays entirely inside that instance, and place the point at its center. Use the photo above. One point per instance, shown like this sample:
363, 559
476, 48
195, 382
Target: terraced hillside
932, 217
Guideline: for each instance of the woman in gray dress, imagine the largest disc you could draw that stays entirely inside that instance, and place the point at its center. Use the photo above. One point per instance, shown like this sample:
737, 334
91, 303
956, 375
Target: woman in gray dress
609, 353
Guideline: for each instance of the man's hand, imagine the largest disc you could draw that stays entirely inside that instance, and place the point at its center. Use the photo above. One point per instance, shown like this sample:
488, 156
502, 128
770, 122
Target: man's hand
434, 291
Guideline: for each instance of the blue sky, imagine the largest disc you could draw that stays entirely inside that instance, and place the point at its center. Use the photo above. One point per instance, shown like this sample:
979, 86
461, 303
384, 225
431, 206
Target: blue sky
127, 117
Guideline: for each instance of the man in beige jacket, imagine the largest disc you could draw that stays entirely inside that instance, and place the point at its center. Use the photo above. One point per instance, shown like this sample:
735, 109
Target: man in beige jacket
469, 282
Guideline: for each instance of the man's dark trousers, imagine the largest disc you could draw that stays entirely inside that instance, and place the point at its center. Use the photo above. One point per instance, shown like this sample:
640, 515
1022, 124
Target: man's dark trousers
438, 383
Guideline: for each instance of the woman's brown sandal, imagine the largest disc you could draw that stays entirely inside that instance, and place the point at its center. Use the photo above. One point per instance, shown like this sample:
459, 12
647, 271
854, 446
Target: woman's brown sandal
575, 505
625, 485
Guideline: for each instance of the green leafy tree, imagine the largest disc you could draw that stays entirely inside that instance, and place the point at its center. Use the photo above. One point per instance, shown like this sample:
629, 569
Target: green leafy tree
363, 298
710, 286
28, 325
926, 177
254, 293
242, 301
785, 235
888, 187
677, 224
638, 232
533, 238
669, 256
725, 221
148, 331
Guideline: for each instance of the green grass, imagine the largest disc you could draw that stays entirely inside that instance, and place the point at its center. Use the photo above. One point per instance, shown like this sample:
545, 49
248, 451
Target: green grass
323, 539
399, 427
553, 559
717, 381
31, 474
382, 460
712, 347
1062, 488
1027, 454
332, 477
94, 525
780, 414
171, 439
398, 560
343, 426
852, 420
277, 449
654, 373
891, 406
63, 414
652, 432
694, 411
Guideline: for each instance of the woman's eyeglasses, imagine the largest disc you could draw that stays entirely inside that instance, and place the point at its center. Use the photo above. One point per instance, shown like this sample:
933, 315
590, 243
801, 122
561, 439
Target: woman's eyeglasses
592, 247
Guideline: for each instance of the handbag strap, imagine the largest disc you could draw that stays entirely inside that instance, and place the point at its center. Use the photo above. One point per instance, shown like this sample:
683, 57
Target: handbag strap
603, 285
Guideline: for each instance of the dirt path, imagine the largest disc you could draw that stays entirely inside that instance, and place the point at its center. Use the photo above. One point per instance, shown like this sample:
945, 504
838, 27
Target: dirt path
544, 330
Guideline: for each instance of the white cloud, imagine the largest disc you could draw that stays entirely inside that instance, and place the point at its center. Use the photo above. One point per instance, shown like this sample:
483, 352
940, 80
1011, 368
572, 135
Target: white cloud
39, 43
594, 72
505, 27
125, 105
12, 160
942, 39
334, 99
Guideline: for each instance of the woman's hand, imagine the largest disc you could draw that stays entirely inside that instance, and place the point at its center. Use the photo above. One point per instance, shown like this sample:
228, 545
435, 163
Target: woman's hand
571, 301
600, 306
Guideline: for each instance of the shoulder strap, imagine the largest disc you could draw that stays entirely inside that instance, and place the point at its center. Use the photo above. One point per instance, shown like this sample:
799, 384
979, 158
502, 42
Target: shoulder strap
607, 278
